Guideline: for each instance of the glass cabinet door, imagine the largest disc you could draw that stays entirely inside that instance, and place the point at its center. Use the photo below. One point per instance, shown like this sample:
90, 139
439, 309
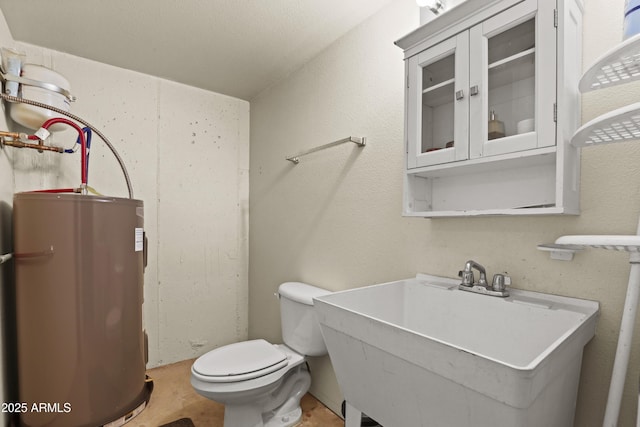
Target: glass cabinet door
513, 79
438, 121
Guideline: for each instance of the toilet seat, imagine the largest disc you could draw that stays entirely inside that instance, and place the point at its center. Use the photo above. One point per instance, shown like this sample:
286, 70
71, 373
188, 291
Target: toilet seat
240, 361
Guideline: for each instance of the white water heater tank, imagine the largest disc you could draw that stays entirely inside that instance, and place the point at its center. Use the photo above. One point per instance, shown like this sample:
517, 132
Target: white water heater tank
31, 116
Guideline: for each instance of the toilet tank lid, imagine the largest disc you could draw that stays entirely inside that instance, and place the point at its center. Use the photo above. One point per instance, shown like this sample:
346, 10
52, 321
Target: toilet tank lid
301, 292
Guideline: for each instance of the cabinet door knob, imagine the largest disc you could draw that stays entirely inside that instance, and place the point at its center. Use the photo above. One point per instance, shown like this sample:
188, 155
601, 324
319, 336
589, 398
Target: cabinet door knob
473, 90
459, 94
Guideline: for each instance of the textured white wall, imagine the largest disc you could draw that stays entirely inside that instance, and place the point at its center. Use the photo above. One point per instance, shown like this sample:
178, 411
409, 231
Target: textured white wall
334, 220
187, 152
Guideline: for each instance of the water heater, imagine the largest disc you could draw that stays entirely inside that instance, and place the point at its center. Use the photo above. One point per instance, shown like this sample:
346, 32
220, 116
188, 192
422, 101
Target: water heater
81, 349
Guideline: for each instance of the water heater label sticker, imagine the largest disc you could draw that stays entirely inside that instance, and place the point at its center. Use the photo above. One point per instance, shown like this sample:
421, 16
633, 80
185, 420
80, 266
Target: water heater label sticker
139, 239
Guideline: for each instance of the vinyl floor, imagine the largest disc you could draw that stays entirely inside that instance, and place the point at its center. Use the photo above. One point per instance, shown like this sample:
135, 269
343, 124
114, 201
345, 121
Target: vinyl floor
173, 398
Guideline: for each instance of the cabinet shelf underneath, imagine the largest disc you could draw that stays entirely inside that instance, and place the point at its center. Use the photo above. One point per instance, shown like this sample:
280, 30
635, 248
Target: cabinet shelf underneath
522, 184
548, 210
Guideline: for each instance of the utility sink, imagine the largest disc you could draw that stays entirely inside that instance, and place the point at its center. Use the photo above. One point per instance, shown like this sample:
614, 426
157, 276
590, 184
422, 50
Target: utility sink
420, 352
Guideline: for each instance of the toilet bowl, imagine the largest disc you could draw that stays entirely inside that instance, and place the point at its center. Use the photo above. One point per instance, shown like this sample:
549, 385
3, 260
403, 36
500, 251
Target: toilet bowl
260, 383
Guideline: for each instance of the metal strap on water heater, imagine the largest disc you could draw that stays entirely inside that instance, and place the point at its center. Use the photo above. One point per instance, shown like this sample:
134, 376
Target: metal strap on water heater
35, 254
36, 83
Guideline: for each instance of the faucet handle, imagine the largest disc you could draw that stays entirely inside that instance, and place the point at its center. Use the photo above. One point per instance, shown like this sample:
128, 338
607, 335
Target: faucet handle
467, 277
500, 282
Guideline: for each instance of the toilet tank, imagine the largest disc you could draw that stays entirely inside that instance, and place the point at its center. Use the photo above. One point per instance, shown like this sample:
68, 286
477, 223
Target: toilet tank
300, 328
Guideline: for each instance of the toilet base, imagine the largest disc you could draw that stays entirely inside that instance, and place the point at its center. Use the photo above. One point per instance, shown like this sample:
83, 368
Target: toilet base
242, 415
289, 419
250, 416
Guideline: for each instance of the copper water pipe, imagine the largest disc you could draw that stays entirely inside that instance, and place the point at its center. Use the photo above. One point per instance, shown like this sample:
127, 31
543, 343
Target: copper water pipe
15, 135
19, 144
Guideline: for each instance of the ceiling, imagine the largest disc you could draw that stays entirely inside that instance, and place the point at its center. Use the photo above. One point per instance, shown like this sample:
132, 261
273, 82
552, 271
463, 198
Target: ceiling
233, 47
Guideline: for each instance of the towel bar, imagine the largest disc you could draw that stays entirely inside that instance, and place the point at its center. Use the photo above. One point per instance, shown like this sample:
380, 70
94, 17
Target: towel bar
360, 141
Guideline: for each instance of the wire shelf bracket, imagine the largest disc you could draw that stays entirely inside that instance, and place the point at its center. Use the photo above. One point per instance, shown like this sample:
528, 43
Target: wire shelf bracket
618, 66
360, 141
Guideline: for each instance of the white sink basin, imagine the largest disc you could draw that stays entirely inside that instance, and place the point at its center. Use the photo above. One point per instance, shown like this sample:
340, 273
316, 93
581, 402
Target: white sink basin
420, 352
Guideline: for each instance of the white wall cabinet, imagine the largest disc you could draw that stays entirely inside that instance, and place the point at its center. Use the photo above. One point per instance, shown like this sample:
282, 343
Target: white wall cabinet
517, 59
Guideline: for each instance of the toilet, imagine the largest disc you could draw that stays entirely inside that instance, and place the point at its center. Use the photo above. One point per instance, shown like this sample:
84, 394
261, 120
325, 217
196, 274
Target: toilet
260, 383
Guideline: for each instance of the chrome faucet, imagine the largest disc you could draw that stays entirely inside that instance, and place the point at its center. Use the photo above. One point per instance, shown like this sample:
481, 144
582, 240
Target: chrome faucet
497, 287
467, 274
